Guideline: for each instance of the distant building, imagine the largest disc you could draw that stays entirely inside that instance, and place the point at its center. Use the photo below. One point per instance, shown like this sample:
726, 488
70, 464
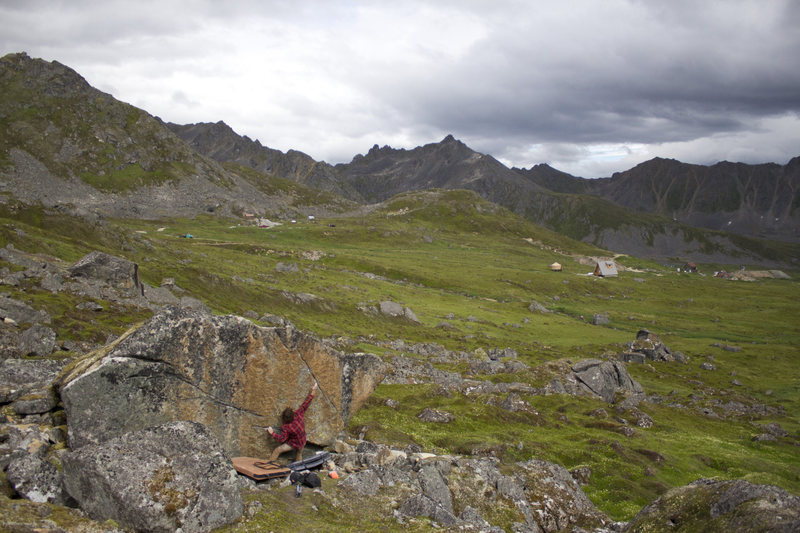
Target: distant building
605, 269
555, 267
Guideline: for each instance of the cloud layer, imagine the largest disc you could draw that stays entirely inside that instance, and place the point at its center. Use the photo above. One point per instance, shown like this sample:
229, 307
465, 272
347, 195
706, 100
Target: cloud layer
588, 87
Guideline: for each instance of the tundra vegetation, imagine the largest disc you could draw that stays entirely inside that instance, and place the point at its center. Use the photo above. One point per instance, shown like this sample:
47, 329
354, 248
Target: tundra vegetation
469, 270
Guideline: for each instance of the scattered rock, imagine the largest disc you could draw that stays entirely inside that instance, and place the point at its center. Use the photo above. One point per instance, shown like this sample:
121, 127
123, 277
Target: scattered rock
37, 340
21, 313
164, 478
434, 415
730, 505
649, 345
121, 274
708, 366
536, 307
37, 480
600, 319
286, 268
395, 310
19, 377
598, 378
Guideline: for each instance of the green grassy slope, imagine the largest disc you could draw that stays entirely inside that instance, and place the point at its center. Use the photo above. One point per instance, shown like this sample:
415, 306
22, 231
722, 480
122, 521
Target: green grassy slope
451, 257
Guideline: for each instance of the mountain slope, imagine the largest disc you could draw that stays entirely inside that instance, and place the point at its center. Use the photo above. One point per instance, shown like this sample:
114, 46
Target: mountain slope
753, 200
64, 143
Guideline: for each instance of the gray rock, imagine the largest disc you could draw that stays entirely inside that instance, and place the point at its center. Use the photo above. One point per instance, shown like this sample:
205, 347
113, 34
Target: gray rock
434, 486
36, 403
37, 480
188, 302
225, 371
434, 415
708, 366
37, 340
536, 307
164, 478
286, 268
514, 403
600, 319
421, 505
364, 483
160, 295
21, 312
603, 378
650, 345
118, 273
19, 377
736, 505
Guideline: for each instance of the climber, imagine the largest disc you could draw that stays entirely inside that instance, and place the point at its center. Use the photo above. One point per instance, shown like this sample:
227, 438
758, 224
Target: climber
292, 435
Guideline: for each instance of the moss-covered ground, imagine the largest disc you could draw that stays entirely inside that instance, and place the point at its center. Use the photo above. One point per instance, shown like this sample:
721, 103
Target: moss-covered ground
453, 258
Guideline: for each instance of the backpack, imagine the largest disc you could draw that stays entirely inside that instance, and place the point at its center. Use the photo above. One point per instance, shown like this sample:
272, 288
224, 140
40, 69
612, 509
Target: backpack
309, 479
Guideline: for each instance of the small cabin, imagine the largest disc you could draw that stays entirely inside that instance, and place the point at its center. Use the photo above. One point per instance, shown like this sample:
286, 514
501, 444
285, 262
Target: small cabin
605, 269
556, 267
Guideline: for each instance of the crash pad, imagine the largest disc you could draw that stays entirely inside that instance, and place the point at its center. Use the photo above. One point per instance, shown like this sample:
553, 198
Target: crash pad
314, 461
259, 469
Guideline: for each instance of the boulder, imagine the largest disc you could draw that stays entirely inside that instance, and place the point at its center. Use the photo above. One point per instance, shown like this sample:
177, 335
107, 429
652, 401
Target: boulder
165, 478
37, 480
121, 274
223, 371
650, 346
395, 310
37, 340
718, 505
21, 312
556, 500
20, 377
604, 378
434, 415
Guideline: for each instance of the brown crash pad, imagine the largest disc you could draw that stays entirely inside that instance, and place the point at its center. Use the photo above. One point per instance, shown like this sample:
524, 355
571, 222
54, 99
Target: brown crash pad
259, 469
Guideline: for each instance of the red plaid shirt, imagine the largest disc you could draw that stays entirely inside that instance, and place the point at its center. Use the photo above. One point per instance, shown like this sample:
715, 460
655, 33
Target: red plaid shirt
294, 433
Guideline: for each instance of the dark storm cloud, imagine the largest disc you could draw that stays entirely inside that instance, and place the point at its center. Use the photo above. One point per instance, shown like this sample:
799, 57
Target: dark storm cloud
590, 87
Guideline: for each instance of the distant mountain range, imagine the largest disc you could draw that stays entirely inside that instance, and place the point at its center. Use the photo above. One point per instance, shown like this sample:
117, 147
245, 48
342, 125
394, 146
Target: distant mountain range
64, 143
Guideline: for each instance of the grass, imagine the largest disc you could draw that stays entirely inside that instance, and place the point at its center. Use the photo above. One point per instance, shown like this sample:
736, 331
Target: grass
453, 258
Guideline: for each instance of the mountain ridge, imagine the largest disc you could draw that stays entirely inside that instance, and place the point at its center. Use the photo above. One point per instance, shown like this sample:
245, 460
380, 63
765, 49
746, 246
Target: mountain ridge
102, 156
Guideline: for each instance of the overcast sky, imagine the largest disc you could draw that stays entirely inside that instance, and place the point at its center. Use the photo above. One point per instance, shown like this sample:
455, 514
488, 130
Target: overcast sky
590, 87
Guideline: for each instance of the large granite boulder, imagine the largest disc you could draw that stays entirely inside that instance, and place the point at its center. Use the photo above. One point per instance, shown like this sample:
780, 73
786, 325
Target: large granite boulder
714, 505
174, 477
222, 371
121, 274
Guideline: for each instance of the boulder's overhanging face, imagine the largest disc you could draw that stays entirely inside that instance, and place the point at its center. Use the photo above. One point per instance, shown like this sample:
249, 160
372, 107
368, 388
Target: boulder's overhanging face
222, 371
164, 478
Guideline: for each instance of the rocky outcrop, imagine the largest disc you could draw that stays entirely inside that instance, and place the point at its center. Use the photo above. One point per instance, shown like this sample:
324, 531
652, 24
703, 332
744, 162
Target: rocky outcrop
223, 371
593, 377
708, 505
648, 346
20, 377
34, 478
460, 493
165, 478
395, 310
121, 274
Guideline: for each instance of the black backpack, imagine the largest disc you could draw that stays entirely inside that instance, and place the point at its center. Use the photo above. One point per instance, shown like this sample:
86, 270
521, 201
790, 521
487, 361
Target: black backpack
309, 479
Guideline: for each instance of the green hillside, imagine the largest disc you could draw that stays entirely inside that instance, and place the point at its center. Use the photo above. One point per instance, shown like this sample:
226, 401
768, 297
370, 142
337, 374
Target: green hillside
469, 270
